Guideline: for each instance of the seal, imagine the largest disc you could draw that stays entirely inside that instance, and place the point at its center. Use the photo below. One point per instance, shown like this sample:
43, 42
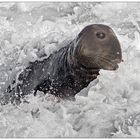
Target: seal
70, 69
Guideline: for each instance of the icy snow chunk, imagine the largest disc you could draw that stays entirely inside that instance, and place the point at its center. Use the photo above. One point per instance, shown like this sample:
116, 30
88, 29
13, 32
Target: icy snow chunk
137, 41
49, 49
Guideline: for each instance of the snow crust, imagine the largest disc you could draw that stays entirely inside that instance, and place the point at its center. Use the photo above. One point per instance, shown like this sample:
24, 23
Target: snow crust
109, 107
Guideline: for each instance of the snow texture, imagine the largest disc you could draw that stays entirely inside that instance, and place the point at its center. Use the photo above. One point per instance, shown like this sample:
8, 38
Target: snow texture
109, 107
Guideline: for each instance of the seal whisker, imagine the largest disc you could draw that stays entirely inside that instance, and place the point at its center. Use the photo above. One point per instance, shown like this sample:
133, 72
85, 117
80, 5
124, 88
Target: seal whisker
98, 65
106, 60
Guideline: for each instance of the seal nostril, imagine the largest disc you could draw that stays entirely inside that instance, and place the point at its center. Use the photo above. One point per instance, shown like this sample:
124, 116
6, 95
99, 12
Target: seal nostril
100, 35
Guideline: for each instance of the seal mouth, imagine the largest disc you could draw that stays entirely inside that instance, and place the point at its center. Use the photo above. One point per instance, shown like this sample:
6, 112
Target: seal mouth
88, 68
100, 62
107, 64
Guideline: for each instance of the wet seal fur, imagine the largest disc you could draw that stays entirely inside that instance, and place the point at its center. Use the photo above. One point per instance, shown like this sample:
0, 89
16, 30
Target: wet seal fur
70, 69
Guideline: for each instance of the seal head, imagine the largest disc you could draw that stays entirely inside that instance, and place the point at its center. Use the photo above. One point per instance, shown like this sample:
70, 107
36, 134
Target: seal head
97, 47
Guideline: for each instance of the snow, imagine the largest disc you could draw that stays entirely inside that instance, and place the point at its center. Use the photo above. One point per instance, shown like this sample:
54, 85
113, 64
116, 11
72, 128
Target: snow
108, 107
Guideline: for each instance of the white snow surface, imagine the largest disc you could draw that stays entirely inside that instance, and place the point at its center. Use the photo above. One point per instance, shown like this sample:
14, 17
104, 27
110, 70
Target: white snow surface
109, 107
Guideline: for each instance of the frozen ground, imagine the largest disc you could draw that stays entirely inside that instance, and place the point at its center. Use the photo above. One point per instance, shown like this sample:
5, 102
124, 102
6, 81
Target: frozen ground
108, 108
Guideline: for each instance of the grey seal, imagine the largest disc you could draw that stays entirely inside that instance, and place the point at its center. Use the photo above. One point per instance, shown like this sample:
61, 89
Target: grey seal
70, 69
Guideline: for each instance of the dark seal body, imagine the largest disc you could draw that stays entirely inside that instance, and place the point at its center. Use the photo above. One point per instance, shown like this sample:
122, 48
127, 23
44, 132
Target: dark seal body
67, 71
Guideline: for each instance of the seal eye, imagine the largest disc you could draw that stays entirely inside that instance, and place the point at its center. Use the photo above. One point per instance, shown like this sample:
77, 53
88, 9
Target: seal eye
100, 35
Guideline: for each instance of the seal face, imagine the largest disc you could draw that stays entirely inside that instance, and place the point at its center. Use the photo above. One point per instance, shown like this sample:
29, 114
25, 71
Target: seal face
70, 69
98, 47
